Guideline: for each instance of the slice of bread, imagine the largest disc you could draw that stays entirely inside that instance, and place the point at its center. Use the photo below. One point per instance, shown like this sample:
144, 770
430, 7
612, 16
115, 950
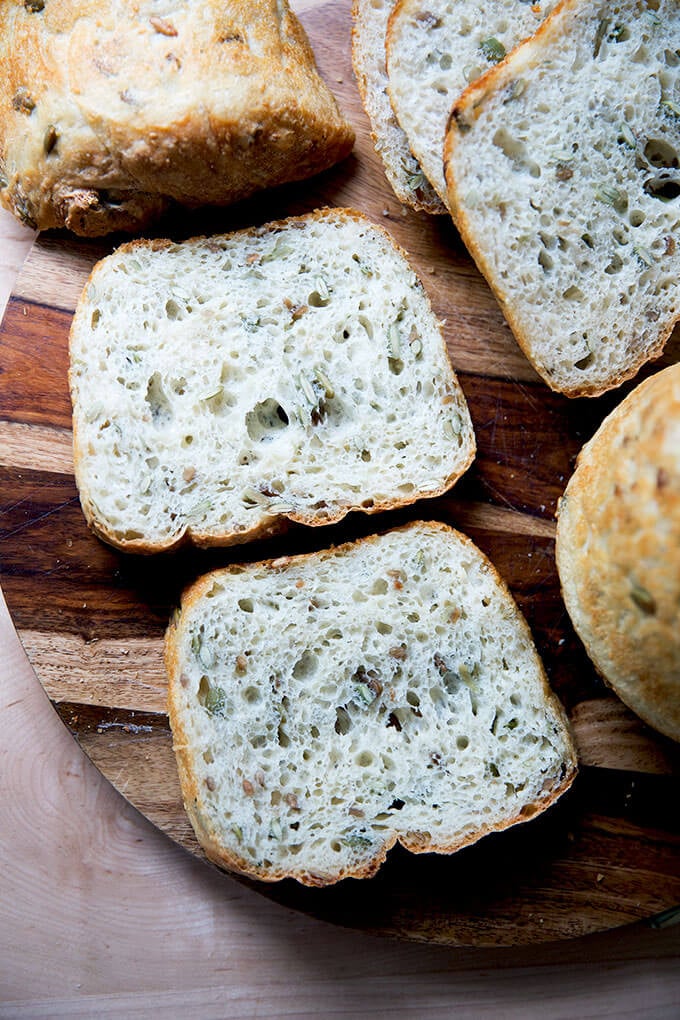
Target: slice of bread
225, 384
562, 169
325, 707
409, 183
434, 50
110, 113
618, 550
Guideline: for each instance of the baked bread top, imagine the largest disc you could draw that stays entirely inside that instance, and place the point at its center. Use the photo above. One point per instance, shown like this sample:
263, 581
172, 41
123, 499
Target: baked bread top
109, 112
402, 701
562, 170
224, 385
618, 550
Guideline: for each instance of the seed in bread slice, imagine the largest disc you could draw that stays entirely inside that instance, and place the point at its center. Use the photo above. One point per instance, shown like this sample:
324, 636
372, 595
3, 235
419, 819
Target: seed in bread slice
325, 707
409, 183
562, 169
225, 384
434, 50
618, 550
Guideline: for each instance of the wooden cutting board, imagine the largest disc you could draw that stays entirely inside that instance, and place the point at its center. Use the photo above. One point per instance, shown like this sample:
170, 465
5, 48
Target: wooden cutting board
92, 620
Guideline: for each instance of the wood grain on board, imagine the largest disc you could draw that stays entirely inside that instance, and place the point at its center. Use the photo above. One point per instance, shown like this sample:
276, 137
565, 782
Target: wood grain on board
92, 619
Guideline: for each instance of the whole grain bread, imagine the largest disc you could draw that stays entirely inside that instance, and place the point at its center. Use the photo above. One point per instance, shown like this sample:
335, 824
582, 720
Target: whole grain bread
369, 27
110, 112
562, 170
225, 385
402, 701
618, 550
435, 48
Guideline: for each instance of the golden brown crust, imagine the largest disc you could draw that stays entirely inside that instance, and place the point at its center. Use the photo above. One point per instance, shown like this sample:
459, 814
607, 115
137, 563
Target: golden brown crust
618, 550
276, 523
107, 115
415, 842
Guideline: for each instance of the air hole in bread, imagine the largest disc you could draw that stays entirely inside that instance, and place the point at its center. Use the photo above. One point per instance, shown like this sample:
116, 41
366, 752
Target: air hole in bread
159, 404
545, 261
306, 666
343, 722
660, 153
663, 187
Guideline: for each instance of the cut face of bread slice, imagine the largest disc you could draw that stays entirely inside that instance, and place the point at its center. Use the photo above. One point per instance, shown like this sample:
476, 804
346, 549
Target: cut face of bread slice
111, 112
562, 167
406, 177
325, 707
618, 550
435, 48
225, 384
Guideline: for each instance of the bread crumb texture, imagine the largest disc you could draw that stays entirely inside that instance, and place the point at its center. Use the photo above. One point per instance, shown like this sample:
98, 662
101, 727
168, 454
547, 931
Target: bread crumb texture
618, 550
109, 113
563, 173
295, 370
435, 50
402, 699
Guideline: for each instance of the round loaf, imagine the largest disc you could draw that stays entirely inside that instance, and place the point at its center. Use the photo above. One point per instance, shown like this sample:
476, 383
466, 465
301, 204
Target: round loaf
618, 550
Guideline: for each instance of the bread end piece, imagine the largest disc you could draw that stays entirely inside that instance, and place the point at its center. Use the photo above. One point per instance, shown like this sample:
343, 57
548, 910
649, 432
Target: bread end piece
203, 108
405, 175
325, 707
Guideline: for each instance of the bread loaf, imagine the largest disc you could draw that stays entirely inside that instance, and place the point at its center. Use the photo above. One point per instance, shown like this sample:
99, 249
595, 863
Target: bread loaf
434, 50
618, 550
226, 384
562, 169
111, 112
369, 28
401, 700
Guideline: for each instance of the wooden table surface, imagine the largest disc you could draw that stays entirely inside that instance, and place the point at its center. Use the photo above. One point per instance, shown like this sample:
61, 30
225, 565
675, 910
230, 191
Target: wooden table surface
101, 915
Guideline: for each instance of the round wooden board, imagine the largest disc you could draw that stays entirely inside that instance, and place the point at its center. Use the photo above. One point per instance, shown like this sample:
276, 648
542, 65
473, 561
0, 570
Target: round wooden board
92, 620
